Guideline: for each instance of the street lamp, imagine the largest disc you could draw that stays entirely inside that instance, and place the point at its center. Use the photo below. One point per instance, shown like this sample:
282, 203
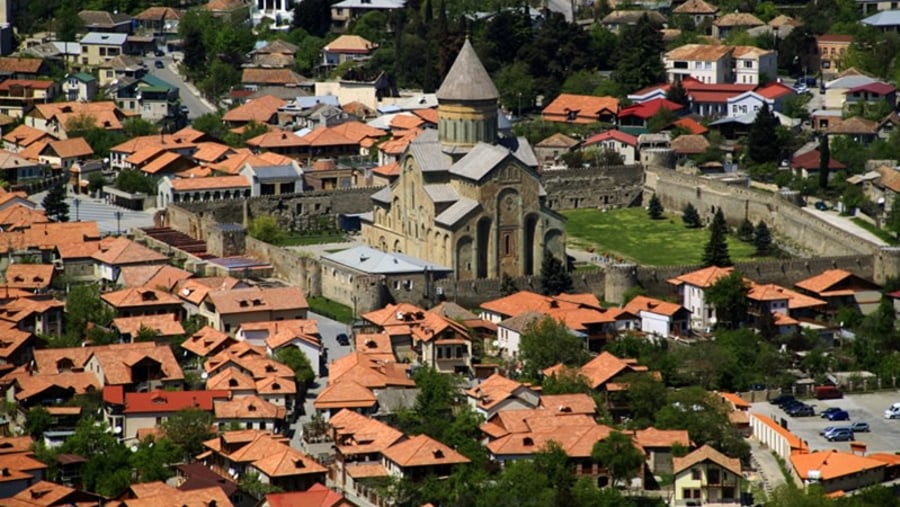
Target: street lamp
77, 202
118, 223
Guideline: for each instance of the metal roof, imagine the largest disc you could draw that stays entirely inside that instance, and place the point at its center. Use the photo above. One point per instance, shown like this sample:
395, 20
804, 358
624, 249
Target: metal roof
275, 172
467, 78
372, 261
480, 161
383, 195
457, 212
441, 192
112, 39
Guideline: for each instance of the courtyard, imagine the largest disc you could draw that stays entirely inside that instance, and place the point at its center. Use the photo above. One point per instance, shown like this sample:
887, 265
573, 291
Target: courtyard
630, 234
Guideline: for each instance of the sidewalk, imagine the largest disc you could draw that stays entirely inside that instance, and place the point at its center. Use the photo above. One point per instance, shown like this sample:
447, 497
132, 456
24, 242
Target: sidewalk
767, 466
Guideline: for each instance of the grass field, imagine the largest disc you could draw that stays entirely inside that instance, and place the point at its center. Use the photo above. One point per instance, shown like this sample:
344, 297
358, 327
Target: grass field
330, 309
630, 234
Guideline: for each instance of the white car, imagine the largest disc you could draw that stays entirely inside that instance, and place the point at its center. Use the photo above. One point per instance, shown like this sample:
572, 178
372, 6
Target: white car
893, 412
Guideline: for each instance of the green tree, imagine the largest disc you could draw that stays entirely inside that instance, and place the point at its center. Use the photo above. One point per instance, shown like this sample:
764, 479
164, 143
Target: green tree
690, 216
761, 144
554, 278
729, 297
146, 334
107, 470
153, 459
521, 484
55, 204
566, 381
547, 342
67, 22
188, 429
135, 181
434, 403
893, 219
211, 124
705, 418
824, 162
745, 231
83, 306
620, 456
715, 253
645, 395
136, 127
297, 361
252, 485
678, 94
314, 16
637, 56
37, 421
507, 285
192, 27
762, 238
516, 85
654, 208
553, 463
266, 228
661, 120
96, 181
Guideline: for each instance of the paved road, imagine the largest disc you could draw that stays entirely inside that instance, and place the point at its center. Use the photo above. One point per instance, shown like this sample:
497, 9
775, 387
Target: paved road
845, 224
328, 331
104, 214
197, 106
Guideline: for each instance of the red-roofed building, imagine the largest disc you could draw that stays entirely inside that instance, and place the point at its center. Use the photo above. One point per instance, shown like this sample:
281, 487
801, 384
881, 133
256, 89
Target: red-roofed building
616, 141
316, 496
570, 108
691, 288
830, 49
875, 91
132, 412
693, 126
637, 115
806, 164
660, 318
841, 289
747, 102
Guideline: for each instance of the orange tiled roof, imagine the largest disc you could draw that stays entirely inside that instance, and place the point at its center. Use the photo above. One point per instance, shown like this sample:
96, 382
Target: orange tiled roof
115, 360
288, 462
184, 138
139, 296
283, 332
194, 290
702, 278
106, 115
494, 390
398, 145
357, 434
166, 162
234, 163
274, 385
652, 437
12, 339
29, 276
231, 379
23, 136
422, 451
695, 7
736, 401
253, 362
10, 445
524, 301
376, 345
823, 281
706, 453
647, 304
166, 325
357, 131
579, 403
576, 441
123, 251
259, 110
606, 366
248, 407
832, 464
797, 444
325, 136
699, 52
579, 108
773, 292
9, 64
72, 147
211, 152
211, 183
738, 19
344, 394
350, 44
271, 77
278, 139
77, 382
255, 299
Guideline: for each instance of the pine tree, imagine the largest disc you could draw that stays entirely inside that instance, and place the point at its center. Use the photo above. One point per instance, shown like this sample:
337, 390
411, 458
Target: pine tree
638, 52
745, 231
824, 162
690, 217
716, 251
55, 204
554, 278
762, 140
678, 94
654, 208
508, 285
762, 238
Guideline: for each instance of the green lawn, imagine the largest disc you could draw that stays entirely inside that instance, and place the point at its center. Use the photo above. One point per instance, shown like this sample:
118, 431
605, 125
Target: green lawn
630, 234
886, 236
330, 309
312, 239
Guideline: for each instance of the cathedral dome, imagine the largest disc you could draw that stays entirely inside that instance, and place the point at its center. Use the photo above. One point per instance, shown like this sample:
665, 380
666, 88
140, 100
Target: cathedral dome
467, 79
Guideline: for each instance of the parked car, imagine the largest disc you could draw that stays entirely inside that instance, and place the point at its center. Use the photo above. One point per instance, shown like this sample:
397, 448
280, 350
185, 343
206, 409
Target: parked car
821, 206
791, 405
893, 412
829, 410
343, 339
828, 393
802, 411
840, 435
828, 429
158, 52
800, 87
159, 64
860, 427
840, 415
781, 399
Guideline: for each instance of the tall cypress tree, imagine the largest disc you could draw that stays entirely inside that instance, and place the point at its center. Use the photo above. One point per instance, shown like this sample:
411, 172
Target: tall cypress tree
637, 57
554, 278
824, 162
55, 204
762, 238
716, 251
761, 141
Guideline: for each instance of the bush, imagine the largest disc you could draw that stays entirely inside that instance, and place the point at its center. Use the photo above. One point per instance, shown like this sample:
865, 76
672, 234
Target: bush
266, 228
134, 181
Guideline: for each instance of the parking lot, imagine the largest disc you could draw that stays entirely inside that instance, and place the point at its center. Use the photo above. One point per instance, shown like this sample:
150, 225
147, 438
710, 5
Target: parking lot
885, 434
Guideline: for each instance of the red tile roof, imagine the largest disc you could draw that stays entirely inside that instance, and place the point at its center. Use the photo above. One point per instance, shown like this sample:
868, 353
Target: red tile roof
615, 135
567, 107
646, 110
171, 401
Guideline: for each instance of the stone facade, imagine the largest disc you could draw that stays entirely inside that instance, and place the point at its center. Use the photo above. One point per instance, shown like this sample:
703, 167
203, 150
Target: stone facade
465, 198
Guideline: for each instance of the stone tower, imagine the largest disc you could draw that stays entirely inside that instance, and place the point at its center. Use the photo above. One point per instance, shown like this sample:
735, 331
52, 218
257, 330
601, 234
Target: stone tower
467, 104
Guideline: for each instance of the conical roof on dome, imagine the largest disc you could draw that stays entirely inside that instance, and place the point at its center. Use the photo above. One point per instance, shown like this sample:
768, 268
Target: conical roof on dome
467, 79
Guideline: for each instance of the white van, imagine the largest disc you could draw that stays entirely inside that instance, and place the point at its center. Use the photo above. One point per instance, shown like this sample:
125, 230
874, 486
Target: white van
893, 412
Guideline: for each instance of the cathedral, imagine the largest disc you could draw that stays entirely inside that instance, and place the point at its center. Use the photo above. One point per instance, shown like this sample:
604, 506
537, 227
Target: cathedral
466, 197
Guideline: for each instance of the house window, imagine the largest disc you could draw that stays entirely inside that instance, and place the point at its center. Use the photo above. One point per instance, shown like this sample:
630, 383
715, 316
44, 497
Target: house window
748, 64
696, 474
698, 65
708, 66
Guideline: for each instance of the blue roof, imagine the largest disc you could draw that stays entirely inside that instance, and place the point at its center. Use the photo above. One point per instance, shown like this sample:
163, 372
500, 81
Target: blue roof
307, 102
